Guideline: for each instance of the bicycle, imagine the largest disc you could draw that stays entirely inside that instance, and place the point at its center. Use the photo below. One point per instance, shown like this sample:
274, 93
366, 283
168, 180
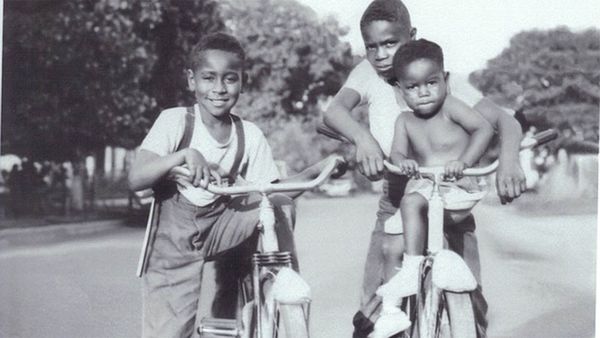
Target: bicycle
264, 311
443, 305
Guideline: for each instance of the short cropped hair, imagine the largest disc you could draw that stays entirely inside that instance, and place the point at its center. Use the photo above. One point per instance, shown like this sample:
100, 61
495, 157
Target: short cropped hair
386, 10
219, 41
416, 50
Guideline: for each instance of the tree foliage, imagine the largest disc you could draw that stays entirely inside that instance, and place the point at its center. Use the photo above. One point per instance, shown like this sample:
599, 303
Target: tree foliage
294, 61
553, 75
80, 75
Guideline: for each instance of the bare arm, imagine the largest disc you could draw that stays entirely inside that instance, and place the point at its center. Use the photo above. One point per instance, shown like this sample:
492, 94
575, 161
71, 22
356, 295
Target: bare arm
510, 179
480, 130
337, 116
400, 143
148, 168
400, 148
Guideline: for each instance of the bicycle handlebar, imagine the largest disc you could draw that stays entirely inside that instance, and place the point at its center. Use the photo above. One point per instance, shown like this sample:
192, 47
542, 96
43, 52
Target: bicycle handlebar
528, 142
266, 188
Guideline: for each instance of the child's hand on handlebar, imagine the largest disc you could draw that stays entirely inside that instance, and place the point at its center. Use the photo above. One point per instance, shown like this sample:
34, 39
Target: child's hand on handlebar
454, 169
200, 171
409, 167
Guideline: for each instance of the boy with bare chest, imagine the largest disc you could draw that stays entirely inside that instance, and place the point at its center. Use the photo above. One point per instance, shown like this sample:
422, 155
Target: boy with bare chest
440, 131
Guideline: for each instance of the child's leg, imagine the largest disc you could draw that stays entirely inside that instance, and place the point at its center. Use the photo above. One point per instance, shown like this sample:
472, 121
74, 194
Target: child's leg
405, 283
171, 284
392, 250
413, 208
229, 235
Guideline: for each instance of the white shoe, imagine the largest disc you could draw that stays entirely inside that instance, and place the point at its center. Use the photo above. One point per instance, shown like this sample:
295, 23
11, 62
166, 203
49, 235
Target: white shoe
404, 283
390, 323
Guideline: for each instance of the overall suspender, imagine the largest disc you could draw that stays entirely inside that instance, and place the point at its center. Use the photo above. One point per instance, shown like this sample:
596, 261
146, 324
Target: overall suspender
166, 189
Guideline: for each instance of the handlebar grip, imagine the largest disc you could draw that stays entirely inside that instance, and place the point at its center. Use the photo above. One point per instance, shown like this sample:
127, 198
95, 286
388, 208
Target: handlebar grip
545, 136
340, 168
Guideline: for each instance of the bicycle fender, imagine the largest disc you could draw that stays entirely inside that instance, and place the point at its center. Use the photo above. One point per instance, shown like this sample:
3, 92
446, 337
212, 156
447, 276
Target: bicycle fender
289, 287
451, 273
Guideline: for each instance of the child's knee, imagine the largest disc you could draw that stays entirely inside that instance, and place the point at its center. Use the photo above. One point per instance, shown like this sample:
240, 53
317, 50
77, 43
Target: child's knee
413, 201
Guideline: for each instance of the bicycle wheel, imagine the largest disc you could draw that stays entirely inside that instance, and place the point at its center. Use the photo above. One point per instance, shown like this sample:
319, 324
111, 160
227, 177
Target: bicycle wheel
281, 320
461, 318
293, 320
441, 313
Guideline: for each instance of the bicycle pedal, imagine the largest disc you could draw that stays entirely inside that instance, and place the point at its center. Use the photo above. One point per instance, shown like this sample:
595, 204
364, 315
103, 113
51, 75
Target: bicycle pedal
218, 327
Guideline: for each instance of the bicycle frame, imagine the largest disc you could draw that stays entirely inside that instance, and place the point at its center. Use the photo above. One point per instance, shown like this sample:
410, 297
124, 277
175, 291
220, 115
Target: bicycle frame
428, 304
268, 259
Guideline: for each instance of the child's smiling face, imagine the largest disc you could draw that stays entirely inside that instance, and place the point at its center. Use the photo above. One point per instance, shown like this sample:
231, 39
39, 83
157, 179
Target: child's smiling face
423, 85
382, 39
216, 81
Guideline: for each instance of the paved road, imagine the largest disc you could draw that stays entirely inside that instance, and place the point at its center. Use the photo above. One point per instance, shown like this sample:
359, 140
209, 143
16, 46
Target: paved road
538, 275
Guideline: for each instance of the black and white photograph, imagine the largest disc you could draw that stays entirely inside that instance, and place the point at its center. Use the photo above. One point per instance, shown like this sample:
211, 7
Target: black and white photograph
299, 168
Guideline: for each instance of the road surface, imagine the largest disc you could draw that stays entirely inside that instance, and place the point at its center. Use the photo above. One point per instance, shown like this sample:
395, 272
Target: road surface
538, 275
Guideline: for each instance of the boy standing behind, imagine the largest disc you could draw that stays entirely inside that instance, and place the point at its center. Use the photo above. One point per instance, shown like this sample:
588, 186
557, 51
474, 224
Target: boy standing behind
193, 224
439, 131
386, 26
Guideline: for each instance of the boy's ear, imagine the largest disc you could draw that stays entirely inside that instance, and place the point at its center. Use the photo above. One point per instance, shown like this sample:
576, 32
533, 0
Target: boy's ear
413, 33
446, 76
189, 75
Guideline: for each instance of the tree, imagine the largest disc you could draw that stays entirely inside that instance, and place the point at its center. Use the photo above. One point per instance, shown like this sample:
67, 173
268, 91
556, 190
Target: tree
294, 61
553, 75
81, 75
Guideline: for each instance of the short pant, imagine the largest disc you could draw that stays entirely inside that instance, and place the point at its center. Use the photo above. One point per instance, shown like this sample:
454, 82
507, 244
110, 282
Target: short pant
459, 197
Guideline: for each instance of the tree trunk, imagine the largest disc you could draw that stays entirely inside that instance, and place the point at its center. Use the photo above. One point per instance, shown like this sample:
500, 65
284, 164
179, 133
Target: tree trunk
113, 164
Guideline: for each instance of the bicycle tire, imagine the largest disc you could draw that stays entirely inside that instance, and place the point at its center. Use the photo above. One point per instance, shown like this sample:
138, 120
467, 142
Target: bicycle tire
461, 317
293, 319
442, 314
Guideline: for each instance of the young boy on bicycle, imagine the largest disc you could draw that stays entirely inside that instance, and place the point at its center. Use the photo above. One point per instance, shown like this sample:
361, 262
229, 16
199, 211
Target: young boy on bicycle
439, 131
193, 224
385, 26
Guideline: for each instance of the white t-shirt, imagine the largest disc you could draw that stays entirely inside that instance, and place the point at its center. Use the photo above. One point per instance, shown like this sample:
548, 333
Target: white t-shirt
167, 132
385, 102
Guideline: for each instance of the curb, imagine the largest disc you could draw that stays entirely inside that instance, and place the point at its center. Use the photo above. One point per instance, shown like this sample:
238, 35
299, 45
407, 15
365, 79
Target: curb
56, 233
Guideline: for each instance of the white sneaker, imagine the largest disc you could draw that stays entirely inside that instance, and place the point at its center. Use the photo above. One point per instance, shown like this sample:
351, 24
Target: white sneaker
404, 283
390, 323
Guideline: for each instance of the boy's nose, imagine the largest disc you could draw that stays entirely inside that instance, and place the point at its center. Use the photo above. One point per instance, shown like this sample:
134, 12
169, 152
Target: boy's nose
423, 91
381, 53
219, 87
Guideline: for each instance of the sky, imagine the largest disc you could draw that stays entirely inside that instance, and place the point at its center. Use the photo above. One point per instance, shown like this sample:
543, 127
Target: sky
470, 31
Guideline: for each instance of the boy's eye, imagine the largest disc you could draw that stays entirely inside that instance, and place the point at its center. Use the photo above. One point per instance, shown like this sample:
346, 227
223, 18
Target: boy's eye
231, 79
431, 83
390, 44
207, 77
370, 48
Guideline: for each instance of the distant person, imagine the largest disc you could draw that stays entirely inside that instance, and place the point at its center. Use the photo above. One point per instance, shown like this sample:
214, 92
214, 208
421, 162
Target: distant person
15, 187
385, 26
439, 131
195, 225
59, 187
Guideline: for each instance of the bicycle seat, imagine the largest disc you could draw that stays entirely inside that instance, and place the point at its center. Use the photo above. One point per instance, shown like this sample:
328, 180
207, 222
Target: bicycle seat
456, 200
